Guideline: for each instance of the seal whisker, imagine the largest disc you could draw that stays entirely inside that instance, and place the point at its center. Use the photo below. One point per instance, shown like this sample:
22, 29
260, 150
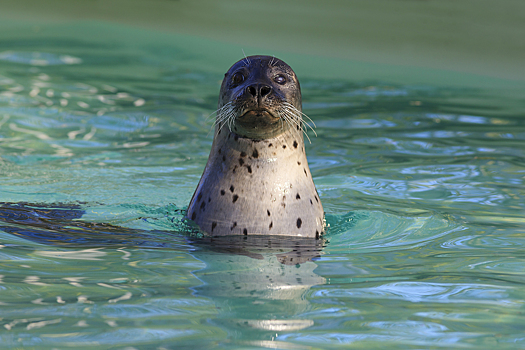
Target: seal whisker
219, 111
225, 116
292, 119
220, 114
272, 61
246, 58
292, 107
299, 115
297, 120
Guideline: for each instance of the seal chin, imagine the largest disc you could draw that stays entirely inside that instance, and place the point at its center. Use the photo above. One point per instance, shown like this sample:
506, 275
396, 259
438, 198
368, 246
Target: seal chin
258, 124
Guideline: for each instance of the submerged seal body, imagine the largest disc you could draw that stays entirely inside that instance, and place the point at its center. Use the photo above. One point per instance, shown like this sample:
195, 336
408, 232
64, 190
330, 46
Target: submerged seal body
257, 180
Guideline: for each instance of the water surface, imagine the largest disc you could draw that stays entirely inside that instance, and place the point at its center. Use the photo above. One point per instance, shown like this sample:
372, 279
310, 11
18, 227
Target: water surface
103, 139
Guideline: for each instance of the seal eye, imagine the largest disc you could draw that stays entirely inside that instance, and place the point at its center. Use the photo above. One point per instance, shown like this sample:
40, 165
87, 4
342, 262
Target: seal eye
280, 79
237, 78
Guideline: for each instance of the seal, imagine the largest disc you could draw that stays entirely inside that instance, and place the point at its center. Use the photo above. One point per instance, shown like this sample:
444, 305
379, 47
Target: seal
257, 180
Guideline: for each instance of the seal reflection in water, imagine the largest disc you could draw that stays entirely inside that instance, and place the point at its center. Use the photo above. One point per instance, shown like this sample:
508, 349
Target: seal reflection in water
257, 180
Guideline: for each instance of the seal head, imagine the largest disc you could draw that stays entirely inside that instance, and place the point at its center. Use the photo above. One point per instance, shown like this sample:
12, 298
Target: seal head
257, 180
256, 90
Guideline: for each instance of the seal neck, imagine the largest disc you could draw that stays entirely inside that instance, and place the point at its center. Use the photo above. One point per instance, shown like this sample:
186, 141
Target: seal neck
277, 147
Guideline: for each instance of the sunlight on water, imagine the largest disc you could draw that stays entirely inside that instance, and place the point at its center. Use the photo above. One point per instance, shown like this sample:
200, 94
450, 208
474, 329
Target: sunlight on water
102, 145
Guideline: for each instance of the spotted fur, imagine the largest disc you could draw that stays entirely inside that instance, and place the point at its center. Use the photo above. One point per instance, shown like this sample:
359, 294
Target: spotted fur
258, 185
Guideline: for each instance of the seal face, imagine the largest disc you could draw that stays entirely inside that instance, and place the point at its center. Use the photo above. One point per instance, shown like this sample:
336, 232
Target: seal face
257, 180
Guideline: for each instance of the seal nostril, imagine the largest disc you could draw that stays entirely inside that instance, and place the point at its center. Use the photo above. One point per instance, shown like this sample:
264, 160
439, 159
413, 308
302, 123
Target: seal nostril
251, 90
265, 90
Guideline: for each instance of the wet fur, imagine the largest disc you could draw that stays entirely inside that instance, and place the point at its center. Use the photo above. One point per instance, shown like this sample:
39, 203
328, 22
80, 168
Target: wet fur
257, 180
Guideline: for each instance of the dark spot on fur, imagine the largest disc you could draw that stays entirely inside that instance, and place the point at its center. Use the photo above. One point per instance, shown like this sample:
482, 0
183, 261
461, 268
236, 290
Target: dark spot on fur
316, 199
245, 231
295, 144
233, 226
284, 198
193, 216
203, 205
305, 172
284, 205
255, 154
235, 197
222, 192
223, 158
267, 211
234, 168
298, 163
299, 223
271, 225
297, 127
241, 162
249, 169
312, 203
284, 146
270, 145
209, 199
231, 188
199, 197
243, 154
297, 196
213, 225
316, 234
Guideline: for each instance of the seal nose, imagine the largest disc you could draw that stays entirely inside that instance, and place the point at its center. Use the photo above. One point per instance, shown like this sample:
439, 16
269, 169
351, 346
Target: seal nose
258, 90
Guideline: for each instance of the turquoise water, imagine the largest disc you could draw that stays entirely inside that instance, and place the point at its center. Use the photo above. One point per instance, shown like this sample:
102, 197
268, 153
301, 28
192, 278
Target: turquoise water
103, 138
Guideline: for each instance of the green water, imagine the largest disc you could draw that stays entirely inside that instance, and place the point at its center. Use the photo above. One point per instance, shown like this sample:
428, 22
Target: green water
422, 183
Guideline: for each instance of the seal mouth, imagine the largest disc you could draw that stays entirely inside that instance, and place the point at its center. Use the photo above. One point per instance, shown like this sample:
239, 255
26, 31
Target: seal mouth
260, 114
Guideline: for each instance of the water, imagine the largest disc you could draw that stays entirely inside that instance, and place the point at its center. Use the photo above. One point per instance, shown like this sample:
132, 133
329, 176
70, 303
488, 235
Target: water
103, 137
